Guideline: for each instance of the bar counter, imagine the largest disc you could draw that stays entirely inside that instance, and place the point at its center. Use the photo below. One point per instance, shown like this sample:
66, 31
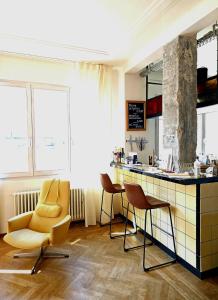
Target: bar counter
194, 205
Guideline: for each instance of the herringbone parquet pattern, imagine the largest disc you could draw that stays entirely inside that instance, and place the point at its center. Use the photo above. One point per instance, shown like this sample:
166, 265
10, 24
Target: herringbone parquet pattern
99, 269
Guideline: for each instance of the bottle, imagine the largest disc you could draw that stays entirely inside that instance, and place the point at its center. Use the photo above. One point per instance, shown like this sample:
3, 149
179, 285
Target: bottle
122, 156
207, 160
197, 167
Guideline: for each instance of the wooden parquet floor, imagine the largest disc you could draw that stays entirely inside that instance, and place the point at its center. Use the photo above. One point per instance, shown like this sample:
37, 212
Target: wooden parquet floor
98, 268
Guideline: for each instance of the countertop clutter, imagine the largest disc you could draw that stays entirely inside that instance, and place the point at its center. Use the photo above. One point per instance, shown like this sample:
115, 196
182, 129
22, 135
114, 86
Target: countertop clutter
182, 178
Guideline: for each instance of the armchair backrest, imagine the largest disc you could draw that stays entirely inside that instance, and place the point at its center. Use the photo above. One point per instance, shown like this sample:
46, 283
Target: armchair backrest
53, 205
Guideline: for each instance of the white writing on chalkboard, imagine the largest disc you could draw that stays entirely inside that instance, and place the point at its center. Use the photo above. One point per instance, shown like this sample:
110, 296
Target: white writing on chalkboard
136, 115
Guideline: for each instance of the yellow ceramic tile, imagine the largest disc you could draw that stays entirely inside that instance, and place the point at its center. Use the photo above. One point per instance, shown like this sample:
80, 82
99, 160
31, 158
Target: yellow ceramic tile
190, 230
156, 190
214, 232
163, 238
191, 190
171, 196
164, 215
180, 224
144, 177
191, 216
163, 183
205, 263
209, 219
156, 181
163, 193
180, 212
190, 257
138, 181
150, 179
150, 188
214, 260
206, 248
180, 198
190, 244
164, 226
170, 243
206, 233
209, 204
157, 234
180, 237
180, 188
214, 246
139, 176
171, 185
209, 190
190, 202
180, 250
144, 186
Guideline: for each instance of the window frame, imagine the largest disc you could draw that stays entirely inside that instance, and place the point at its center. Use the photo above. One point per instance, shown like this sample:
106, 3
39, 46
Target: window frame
29, 87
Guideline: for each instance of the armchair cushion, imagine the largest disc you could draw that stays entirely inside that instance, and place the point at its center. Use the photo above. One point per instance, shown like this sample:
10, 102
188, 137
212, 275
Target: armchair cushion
27, 239
48, 210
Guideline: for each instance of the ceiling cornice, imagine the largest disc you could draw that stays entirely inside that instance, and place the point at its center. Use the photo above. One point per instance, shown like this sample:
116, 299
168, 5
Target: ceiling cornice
53, 44
153, 12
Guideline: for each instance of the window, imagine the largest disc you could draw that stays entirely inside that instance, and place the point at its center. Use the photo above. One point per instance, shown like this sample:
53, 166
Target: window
207, 143
51, 130
34, 129
207, 120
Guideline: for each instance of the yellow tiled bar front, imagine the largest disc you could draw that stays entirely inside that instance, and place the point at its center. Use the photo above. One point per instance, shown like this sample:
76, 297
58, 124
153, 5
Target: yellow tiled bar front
184, 216
194, 212
209, 226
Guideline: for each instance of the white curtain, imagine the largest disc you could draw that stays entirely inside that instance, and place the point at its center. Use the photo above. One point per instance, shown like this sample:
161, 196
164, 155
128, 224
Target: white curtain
96, 104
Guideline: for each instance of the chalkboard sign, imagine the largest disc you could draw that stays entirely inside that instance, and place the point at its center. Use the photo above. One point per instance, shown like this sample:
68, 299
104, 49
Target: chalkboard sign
135, 115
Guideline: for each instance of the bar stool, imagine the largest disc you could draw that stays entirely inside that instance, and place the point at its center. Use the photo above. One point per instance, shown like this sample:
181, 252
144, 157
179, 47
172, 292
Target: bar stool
112, 189
138, 199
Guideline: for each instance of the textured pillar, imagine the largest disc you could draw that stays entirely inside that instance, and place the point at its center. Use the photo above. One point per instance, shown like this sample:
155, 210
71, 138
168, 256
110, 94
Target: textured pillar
180, 98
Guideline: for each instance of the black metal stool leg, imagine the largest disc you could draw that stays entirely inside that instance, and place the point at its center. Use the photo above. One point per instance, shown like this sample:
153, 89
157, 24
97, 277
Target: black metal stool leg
135, 247
168, 262
124, 240
122, 203
174, 244
112, 200
135, 220
102, 199
144, 238
152, 234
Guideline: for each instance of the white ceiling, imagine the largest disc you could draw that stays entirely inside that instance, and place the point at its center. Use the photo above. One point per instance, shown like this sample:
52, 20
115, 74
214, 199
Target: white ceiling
102, 31
91, 30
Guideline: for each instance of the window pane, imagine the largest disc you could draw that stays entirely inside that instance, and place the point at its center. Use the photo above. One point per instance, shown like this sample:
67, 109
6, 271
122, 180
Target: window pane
51, 129
199, 149
211, 142
13, 129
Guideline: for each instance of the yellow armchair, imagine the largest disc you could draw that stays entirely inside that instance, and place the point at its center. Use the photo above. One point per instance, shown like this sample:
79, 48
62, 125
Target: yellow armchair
46, 226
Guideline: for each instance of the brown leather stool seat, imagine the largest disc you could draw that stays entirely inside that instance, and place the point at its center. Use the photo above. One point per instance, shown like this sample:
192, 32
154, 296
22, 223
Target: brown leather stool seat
112, 189
139, 200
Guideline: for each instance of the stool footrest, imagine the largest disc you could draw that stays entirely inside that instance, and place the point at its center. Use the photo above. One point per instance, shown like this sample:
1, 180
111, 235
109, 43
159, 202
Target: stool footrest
159, 265
113, 223
136, 247
122, 234
161, 229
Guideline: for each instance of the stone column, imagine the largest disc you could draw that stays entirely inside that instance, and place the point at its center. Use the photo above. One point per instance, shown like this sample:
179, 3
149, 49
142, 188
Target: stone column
180, 98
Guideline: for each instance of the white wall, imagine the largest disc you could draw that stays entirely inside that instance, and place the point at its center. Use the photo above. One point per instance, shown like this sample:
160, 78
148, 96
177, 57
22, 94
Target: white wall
135, 89
35, 70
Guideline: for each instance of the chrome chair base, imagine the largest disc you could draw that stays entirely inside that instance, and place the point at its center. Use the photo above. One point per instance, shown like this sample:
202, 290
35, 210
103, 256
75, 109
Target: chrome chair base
42, 255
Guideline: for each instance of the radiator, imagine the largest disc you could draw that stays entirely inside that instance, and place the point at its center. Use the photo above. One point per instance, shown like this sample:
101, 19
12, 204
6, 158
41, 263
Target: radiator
27, 200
